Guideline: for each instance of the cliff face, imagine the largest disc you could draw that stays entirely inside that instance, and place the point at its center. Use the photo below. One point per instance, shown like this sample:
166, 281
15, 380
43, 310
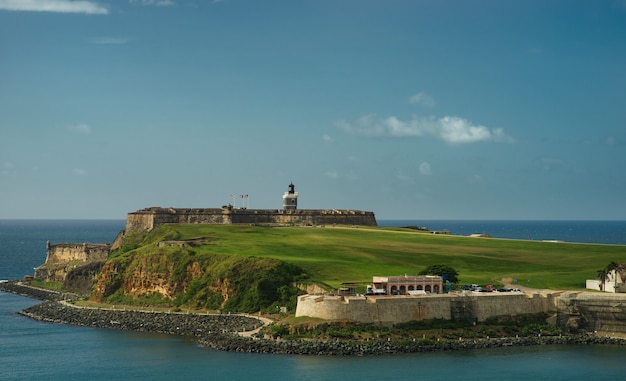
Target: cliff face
145, 276
176, 275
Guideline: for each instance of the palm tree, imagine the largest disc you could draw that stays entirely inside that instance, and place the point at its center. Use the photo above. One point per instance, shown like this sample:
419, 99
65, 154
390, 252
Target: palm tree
603, 276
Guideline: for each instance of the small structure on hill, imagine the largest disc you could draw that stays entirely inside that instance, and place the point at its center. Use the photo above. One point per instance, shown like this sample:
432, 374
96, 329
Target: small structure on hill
407, 284
290, 198
610, 280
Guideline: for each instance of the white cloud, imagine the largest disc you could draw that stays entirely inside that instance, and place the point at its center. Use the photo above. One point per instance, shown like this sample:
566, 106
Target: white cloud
332, 174
80, 172
80, 129
451, 129
610, 141
423, 99
327, 138
425, 169
8, 168
400, 175
549, 163
59, 6
158, 3
476, 179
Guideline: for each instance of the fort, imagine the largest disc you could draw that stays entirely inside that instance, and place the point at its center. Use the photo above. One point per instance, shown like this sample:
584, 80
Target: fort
147, 219
79, 264
62, 258
389, 310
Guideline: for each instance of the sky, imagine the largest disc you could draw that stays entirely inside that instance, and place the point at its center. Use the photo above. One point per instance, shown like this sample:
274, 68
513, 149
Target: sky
424, 109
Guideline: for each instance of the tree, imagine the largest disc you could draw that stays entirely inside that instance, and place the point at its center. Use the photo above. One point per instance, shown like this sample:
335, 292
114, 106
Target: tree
444, 271
605, 273
603, 276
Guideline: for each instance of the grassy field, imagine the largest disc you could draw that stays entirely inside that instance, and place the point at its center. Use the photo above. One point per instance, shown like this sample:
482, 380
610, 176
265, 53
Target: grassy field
334, 255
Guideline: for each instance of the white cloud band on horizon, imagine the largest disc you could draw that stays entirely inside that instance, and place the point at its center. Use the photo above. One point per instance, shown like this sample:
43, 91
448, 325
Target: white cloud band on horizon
158, 3
451, 129
57, 6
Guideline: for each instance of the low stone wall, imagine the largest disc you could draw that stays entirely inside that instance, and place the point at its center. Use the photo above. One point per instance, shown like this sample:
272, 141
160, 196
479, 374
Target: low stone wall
389, 310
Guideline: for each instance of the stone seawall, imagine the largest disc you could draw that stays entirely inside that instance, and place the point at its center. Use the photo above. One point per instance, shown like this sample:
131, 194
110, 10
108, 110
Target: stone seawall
147, 219
592, 312
220, 331
389, 310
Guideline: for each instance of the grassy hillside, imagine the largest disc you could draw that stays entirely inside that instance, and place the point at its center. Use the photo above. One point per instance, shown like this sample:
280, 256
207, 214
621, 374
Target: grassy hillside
333, 255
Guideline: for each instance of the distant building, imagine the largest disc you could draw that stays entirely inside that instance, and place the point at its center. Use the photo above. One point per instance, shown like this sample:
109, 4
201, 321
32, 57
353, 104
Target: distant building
614, 281
407, 284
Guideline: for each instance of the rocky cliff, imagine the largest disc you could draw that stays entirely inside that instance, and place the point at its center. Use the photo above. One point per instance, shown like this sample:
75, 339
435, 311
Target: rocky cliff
177, 275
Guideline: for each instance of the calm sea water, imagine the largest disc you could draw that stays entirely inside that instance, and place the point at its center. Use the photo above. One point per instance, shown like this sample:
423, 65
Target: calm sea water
605, 232
35, 350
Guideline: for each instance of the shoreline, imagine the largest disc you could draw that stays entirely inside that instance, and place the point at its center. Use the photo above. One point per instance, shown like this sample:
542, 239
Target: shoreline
224, 332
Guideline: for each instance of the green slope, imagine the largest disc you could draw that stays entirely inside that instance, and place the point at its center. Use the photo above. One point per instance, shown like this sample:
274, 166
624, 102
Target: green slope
334, 255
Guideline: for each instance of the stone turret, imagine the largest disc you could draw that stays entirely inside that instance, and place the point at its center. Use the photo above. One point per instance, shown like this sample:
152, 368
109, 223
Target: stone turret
290, 199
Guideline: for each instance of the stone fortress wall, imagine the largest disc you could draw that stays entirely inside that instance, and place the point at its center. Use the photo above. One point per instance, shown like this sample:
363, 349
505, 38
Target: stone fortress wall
67, 252
389, 310
62, 258
149, 218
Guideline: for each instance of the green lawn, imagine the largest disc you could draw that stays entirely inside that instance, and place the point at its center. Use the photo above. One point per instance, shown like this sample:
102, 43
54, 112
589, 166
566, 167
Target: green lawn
333, 255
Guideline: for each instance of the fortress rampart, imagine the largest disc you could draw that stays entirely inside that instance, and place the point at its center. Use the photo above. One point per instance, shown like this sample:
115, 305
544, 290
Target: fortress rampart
147, 219
83, 252
388, 310
63, 258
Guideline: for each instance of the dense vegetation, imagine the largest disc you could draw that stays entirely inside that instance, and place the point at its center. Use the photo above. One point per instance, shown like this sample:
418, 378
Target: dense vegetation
424, 330
262, 264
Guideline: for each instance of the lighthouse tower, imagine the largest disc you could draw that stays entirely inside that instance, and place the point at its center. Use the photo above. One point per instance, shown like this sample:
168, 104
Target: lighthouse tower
290, 199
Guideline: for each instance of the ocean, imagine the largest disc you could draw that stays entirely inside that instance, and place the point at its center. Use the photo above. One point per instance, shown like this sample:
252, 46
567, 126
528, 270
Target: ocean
34, 350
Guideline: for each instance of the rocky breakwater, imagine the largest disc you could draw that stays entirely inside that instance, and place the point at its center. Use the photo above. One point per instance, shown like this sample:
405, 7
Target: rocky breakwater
185, 324
380, 347
220, 332
19, 288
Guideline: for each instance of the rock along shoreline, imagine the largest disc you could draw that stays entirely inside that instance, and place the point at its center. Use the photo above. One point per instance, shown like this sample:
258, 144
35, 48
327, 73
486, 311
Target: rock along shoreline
221, 332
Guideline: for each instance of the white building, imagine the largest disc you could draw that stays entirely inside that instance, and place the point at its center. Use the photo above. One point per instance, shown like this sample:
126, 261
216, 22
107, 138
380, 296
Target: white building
614, 282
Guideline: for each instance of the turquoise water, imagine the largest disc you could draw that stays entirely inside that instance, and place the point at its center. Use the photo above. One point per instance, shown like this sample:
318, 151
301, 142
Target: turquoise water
34, 350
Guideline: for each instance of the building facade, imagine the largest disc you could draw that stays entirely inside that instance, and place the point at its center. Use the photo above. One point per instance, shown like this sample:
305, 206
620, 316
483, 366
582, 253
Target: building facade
407, 284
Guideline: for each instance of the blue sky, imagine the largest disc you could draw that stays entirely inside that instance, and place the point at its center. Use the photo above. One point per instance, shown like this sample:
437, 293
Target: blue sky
426, 109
